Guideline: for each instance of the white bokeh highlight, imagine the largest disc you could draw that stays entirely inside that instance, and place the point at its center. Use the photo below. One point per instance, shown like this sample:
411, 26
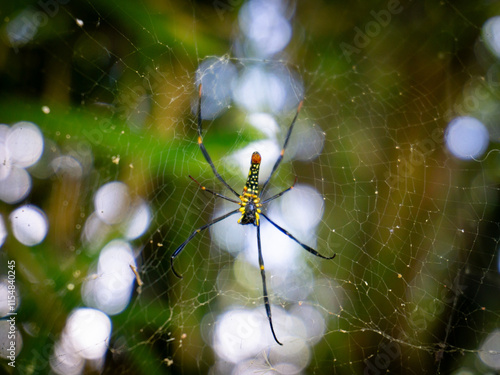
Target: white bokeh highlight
241, 334
5, 162
24, 144
489, 353
21, 146
3, 231
138, 220
258, 89
491, 35
216, 76
116, 210
466, 138
111, 288
67, 166
314, 322
29, 225
95, 231
15, 186
305, 205
238, 334
265, 123
279, 251
89, 331
112, 202
85, 339
307, 141
23, 28
64, 362
228, 234
265, 27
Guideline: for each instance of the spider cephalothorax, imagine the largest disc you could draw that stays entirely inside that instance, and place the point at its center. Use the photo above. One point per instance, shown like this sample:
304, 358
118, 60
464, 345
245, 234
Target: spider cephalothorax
250, 206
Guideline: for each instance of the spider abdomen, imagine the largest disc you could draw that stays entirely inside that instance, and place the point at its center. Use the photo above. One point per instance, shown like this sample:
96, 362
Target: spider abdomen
250, 202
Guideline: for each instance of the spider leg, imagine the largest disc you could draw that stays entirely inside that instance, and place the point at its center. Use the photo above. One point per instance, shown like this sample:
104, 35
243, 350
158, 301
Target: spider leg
214, 193
204, 150
310, 249
203, 227
264, 287
280, 194
283, 149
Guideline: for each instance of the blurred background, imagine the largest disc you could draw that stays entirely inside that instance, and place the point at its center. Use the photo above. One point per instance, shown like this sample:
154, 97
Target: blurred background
395, 152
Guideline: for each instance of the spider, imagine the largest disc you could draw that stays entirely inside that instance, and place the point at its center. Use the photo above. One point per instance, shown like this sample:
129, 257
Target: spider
250, 205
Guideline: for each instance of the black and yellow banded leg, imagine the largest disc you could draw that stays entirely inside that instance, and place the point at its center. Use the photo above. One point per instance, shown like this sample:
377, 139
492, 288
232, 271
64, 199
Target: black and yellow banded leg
213, 192
309, 249
264, 287
280, 194
287, 138
204, 150
203, 227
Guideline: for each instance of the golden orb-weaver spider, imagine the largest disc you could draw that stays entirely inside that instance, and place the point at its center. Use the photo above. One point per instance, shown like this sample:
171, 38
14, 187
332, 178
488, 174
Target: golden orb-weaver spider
250, 205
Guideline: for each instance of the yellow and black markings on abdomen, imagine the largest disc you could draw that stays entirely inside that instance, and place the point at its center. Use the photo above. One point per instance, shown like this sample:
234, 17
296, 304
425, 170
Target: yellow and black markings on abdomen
250, 202
252, 185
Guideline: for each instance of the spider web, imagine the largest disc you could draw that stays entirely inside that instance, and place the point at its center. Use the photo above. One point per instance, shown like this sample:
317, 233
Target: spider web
412, 287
